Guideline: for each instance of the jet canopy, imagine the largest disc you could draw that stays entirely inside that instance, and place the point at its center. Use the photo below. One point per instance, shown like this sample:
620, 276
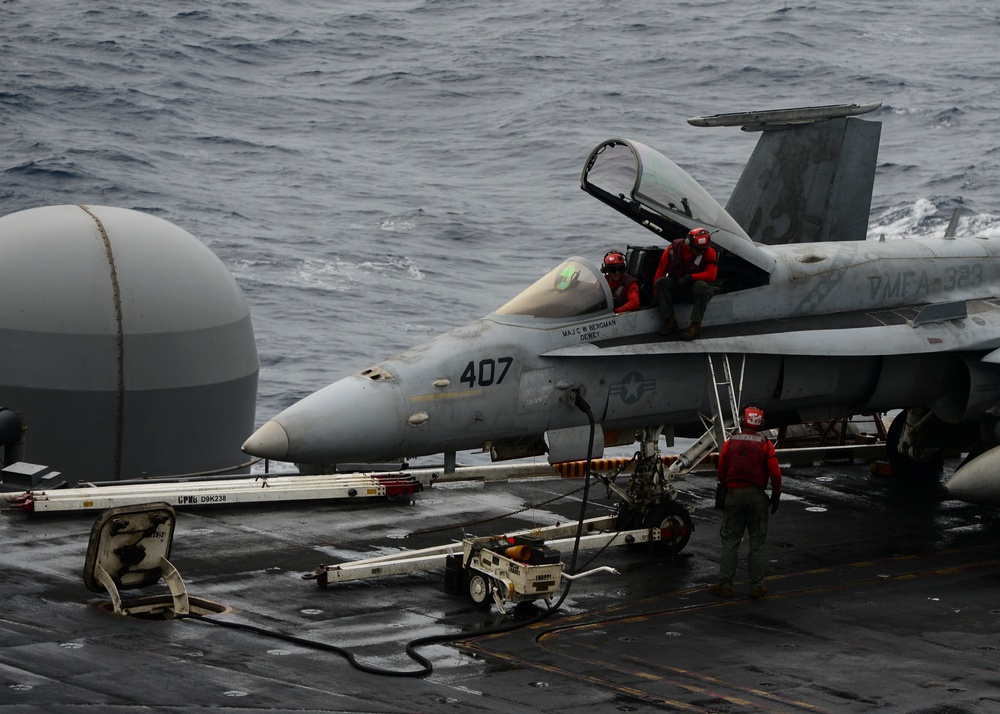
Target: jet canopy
570, 289
652, 190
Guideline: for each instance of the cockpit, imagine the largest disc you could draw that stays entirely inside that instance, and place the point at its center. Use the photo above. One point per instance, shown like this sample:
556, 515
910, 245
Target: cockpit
647, 187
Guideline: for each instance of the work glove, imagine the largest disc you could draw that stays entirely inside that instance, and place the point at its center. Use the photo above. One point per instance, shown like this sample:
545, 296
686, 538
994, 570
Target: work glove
685, 282
720, 495
775, 500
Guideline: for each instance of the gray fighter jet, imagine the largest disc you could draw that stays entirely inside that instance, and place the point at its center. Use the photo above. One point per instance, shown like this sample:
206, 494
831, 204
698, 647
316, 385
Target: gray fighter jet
811, 321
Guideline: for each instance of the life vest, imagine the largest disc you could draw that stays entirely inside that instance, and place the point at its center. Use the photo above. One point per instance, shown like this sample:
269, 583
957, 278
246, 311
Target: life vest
746, 460
685, 262
620, 291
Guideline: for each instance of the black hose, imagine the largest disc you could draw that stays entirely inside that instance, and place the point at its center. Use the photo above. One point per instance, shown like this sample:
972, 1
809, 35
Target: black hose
582, 405
313, 644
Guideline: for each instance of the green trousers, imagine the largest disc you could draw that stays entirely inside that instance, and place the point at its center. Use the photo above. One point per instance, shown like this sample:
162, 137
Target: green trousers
701, 293
746, 510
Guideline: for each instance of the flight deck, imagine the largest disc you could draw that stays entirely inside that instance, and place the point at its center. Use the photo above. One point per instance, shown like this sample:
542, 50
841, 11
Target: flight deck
882, 596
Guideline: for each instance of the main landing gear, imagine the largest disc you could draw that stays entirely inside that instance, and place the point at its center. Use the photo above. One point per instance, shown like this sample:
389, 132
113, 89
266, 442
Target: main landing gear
649, 498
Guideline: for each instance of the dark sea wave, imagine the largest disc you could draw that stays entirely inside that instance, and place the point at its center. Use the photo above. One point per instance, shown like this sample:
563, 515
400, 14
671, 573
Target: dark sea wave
374, 173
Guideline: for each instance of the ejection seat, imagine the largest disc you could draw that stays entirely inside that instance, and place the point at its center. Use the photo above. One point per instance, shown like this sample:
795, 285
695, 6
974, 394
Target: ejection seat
642, 262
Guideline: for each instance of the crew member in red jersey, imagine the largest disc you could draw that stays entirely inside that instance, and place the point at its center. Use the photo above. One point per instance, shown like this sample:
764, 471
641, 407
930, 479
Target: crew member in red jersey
746, 463
624, 288
690, 265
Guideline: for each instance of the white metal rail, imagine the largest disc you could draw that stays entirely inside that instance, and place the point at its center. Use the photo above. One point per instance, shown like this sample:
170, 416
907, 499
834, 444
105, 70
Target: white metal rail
595, 534
261, 489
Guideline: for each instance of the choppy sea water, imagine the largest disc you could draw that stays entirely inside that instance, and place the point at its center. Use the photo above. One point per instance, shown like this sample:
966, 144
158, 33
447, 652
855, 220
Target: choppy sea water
374, 173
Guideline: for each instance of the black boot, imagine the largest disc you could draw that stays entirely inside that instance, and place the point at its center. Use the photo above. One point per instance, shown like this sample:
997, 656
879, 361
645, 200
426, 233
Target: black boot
692, 331
669, 326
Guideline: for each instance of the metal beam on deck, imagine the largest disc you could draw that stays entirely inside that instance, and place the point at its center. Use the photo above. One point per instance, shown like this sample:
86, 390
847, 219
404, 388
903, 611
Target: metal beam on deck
261, 489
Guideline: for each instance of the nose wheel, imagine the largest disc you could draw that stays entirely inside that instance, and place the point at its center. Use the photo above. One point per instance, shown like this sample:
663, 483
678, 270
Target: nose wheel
674, 522
650, 496
671, 518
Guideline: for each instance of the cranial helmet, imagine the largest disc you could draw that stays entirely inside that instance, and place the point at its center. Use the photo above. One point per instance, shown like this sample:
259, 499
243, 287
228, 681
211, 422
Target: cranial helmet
753, 417
698, 238
613, 260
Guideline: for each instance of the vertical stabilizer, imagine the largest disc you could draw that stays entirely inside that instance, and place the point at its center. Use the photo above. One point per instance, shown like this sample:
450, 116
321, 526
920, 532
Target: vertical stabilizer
810, 177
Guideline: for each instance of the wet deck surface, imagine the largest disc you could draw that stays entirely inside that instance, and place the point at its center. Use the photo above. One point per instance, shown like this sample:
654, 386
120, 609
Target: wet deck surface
882, 596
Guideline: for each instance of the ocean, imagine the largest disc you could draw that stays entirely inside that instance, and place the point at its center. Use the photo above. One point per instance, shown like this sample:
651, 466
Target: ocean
374, 173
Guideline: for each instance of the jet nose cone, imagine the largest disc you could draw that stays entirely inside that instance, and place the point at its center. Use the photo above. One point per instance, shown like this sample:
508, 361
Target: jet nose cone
355, 419
269, 442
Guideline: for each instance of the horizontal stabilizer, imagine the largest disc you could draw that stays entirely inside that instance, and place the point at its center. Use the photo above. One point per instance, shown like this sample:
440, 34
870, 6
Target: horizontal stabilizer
755, 120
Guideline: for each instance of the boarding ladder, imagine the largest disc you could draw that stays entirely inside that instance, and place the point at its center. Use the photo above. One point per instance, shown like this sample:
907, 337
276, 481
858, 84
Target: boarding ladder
717, 429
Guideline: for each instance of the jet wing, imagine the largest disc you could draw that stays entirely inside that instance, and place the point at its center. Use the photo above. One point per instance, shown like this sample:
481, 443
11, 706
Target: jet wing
890, 332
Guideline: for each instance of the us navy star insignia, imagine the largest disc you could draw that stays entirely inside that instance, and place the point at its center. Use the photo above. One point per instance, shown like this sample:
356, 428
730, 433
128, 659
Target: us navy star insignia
632, 387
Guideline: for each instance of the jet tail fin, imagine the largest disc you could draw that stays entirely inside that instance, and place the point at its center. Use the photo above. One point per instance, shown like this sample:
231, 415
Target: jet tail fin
811, 174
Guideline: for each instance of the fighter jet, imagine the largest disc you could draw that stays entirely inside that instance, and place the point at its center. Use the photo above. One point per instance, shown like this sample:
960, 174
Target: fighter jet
810, 321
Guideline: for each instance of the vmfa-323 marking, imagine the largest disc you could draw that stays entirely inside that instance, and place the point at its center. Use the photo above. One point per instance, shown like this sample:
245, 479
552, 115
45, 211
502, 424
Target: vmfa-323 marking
823, 322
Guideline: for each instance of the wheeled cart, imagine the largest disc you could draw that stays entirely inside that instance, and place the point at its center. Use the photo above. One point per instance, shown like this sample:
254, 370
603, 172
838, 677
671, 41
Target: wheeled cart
519, 567
504, 570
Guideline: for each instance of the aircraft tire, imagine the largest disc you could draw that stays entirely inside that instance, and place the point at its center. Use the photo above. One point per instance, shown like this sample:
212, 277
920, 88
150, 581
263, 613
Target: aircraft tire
671, 514
903, 465
662, 515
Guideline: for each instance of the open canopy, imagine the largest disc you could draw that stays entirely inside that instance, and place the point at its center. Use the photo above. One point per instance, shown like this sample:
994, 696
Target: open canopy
658, 194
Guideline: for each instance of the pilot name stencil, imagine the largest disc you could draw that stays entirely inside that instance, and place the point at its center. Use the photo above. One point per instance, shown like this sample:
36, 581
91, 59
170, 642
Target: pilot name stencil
589, 332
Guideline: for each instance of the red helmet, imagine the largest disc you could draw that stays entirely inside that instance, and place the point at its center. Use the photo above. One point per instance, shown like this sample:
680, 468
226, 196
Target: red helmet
753, 417
614, 260
699, 238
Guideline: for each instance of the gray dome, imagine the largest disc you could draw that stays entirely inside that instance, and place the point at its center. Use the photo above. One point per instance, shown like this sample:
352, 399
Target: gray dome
128, 347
